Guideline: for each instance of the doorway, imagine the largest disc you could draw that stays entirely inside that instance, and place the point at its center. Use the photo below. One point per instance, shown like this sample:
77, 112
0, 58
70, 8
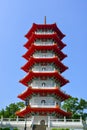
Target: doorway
42, 122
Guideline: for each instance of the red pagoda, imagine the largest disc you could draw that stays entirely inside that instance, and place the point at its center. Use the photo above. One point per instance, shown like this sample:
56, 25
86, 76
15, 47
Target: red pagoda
43, 80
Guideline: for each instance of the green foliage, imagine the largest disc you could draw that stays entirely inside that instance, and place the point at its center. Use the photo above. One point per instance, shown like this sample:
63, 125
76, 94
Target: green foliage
76, 106
6, 128
60, 129
9, 111
15, 129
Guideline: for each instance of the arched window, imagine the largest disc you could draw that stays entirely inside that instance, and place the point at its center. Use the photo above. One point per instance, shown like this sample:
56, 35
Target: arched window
43, 102
42, 122
43, 68
43, 84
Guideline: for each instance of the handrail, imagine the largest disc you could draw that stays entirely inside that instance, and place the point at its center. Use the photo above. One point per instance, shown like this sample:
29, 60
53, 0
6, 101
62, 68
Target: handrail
20, 122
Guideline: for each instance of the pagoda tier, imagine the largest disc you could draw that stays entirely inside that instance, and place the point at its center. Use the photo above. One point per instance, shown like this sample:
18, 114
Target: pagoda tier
54, 36
53, 27
43, 75
56, 111
56, 92
53, 48
44, 61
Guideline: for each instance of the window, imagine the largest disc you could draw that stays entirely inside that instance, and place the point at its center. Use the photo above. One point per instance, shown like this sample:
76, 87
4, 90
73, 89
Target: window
43, 84
43, 102
43, 68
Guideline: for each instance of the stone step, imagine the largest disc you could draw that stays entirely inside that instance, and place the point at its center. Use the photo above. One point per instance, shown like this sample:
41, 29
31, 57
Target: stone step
39, 127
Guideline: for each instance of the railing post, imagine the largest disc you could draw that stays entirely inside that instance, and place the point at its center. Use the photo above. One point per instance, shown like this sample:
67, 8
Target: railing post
64, 119
86, 120
17, 119
80, 119
32, 121
9, 120
1, 119
48, 121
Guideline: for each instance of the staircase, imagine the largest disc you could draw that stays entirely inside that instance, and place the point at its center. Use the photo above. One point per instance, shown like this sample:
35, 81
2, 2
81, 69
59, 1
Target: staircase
39, 127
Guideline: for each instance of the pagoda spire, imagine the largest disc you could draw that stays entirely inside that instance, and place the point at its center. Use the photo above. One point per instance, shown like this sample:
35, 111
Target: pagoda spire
44, 19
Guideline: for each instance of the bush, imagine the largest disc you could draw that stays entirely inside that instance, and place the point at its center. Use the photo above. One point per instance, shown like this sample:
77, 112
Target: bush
60, 129
7, 128
15, 129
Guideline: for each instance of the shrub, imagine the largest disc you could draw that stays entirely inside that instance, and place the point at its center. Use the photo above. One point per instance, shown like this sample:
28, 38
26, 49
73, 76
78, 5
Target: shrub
15, 129
6, 128
60, 129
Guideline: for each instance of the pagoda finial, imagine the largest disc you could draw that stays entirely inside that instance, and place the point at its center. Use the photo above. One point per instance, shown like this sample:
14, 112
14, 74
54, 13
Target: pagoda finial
44, 19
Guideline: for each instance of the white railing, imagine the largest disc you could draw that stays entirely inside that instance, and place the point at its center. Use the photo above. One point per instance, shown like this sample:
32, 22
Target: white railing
43, 105
46, 55
44, 43
66, 123
44, 32
15, 122
41, 87
58, 123
43, 71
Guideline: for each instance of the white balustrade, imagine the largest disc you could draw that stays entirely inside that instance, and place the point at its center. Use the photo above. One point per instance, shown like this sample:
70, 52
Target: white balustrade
58, 123
44, 43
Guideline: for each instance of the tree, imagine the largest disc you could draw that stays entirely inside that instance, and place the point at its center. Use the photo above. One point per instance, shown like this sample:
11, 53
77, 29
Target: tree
76, 106
10, 110
20, 105
2, 112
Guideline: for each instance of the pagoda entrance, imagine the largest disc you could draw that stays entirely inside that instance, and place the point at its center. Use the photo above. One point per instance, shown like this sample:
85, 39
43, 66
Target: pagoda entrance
42, 122
41, 126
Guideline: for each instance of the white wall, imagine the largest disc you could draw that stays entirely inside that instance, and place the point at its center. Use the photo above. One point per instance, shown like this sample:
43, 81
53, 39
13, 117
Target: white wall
43, 68
38, 101
38, 83
37, 119
43, 54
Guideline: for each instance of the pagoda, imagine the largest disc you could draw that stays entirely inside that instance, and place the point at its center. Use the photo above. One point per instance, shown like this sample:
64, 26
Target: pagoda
44, 69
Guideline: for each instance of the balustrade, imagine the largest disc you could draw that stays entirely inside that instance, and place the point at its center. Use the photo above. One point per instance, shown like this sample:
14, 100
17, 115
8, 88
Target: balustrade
59, 123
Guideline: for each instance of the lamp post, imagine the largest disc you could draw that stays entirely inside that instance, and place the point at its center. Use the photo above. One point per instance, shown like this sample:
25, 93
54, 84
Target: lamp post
25, 127
26, 104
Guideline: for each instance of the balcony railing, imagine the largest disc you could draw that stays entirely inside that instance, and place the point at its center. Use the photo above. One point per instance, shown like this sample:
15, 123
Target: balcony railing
52, 105
58, 123
43, 55
44, 43
44, 32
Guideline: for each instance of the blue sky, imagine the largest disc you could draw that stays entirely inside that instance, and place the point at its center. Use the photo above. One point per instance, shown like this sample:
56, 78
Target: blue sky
16, 18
